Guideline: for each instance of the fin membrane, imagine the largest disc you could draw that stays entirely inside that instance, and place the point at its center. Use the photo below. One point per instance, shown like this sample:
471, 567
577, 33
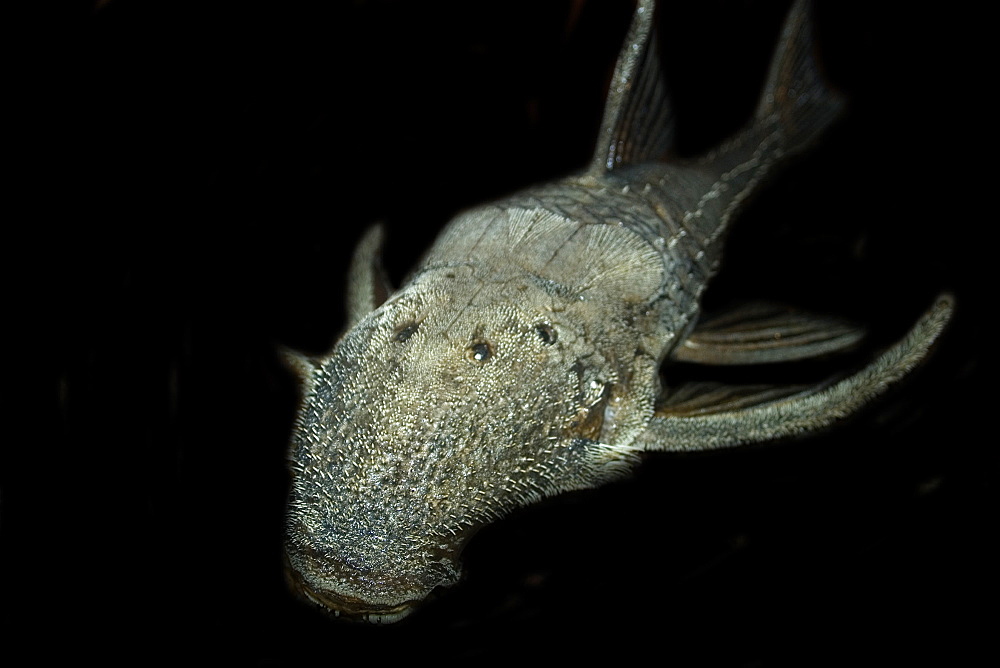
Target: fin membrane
638, 120
706, 418
762, 333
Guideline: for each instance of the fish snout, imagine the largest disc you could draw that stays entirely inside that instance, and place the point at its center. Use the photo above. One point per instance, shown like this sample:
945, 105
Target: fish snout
342, 606
346, 593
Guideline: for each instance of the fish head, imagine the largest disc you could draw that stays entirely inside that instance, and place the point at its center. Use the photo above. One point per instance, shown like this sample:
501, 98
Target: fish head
454, 402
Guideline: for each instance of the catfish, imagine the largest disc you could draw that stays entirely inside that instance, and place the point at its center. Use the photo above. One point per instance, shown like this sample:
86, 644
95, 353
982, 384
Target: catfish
529, 353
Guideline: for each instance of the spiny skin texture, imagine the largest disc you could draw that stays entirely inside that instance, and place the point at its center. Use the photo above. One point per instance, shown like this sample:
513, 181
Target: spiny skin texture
523, 357
437, 432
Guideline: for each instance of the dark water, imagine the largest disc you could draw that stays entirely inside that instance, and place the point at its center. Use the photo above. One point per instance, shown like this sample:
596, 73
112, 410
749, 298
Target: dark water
195, 177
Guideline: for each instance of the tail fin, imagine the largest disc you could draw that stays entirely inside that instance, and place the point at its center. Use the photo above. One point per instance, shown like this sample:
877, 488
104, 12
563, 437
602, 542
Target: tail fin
796, 102
795, 107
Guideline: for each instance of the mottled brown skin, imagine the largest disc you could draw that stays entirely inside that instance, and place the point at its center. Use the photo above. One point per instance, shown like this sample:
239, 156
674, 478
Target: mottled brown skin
522, 359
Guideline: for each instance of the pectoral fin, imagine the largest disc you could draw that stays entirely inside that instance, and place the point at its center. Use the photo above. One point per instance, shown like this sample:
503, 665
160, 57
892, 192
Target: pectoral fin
706, 398
367, 284
766, 333
707, 418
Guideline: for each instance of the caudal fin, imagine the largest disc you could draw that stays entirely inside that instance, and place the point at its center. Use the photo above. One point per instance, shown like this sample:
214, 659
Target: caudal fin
796, 106
797, 103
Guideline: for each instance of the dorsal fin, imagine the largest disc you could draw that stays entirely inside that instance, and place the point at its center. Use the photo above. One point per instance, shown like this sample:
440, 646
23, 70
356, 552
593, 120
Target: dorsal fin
638, 120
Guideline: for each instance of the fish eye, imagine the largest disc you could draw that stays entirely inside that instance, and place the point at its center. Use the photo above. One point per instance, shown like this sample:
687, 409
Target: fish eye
480, 353
406, 331
546, 333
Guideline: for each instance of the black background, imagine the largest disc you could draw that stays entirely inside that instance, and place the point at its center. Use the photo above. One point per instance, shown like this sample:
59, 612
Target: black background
191, 179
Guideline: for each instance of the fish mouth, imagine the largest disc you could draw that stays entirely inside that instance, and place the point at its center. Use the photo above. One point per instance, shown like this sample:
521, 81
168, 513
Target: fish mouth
348, 608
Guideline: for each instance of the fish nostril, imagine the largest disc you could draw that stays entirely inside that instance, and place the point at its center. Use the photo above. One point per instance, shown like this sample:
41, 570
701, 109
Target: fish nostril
546, 333
406, 331
480, 353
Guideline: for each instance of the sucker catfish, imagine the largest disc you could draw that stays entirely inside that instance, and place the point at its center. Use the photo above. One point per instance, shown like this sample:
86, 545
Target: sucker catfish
529, 353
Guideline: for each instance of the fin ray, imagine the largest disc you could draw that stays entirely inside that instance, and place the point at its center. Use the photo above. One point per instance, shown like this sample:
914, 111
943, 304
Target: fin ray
801, 413
367, 284
638, 120
705, 398
761, 333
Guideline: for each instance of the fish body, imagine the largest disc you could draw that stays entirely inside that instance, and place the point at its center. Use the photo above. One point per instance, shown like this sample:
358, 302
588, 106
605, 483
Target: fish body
528, 353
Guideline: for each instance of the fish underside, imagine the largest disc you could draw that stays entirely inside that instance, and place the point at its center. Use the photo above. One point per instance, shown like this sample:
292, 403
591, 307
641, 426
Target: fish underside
529, 352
